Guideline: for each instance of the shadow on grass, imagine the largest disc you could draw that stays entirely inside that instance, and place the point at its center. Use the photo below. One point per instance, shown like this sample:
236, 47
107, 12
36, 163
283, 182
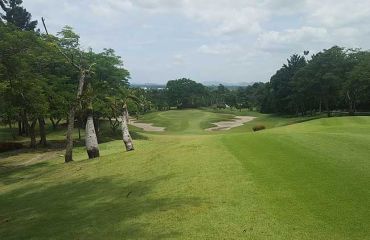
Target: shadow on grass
109, 136
101, 208
59, 145
10, 174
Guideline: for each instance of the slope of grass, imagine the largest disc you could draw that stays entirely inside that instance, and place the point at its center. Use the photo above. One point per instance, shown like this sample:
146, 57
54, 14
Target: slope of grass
185, 121
303, 181
315, 175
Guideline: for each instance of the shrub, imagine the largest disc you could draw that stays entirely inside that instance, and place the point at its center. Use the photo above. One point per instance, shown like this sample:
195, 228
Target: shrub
258, 128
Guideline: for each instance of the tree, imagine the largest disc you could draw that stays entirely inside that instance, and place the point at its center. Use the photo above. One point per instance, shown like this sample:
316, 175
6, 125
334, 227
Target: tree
326, 72
15, 14
281, 84
24, 83
158, 99
68, 45
185, 93
357, 85
119, 106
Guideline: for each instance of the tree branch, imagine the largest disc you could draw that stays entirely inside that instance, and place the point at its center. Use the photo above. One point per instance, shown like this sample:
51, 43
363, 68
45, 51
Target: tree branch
60, 50
2, 5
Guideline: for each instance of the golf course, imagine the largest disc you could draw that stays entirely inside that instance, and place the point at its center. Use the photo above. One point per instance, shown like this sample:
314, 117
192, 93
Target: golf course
300, 178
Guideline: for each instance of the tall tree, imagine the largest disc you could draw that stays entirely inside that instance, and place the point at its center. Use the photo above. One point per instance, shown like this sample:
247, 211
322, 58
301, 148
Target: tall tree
15, 14
281, 84
185, 93
68, 46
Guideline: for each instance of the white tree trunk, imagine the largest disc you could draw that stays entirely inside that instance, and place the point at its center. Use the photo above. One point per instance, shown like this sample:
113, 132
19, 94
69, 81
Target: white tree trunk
125, 132
92, 146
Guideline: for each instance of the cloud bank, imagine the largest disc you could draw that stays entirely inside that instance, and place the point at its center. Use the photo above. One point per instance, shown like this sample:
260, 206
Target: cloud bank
209, 40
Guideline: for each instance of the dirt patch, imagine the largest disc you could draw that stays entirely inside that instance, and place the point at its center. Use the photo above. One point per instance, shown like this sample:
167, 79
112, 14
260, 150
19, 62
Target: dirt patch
148, 127
227, 125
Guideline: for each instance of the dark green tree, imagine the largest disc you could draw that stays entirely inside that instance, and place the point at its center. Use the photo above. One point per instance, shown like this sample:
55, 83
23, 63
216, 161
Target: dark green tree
15, 14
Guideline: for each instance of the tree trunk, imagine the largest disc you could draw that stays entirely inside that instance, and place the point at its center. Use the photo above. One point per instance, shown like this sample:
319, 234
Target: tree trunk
113, 125
69, 147
55, 123
92, 146
19, 127
32, 134
79, 131
71, 119
43, 141
351, 111
11, 128
125, 132
25, 125
327, 108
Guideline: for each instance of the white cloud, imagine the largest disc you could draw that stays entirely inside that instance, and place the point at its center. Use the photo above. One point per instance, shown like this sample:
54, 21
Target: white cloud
334, 13
292, 38
234, 37
218, 49
178, 59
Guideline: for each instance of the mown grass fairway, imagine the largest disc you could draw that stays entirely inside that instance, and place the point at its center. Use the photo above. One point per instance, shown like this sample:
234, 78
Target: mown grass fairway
308, 180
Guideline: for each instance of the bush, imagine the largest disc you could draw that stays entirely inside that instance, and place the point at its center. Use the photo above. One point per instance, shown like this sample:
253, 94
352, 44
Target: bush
258, 128
8, 146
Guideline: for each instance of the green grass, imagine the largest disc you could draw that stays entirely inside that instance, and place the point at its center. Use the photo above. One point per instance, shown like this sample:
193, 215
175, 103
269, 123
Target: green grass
308, 180
185, 121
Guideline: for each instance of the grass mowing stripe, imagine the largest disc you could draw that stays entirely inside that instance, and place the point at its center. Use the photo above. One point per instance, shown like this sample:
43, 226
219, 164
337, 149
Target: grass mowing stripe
309, 179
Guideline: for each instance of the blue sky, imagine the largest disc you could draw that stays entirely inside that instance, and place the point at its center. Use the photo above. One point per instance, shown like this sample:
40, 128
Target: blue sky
230, 41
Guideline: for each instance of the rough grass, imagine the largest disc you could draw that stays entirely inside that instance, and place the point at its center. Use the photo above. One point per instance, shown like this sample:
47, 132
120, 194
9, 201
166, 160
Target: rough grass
303, 181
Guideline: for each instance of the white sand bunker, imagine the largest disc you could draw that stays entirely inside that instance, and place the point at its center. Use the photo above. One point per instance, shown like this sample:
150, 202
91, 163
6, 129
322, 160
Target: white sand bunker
227, 125
148, 127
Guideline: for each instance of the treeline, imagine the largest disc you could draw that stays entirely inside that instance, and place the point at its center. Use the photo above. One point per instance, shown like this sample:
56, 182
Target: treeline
45, 77
186, 93
335, 79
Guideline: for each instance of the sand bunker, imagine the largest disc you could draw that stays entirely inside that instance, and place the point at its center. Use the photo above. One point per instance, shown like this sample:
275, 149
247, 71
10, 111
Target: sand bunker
148, 127
227, 125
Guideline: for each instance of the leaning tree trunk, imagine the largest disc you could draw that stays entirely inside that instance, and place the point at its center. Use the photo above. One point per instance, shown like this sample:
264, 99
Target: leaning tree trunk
42, 131
71, 119
92, 146
125, 132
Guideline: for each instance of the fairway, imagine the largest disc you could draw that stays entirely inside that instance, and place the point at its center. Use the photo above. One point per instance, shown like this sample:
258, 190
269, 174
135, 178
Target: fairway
295, 180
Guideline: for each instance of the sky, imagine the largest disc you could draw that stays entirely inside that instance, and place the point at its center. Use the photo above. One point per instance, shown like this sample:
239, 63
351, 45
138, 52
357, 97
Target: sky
209, 41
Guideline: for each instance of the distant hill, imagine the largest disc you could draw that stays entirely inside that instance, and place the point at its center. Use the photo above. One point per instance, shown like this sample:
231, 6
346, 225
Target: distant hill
148, 86
210, 84
215, 83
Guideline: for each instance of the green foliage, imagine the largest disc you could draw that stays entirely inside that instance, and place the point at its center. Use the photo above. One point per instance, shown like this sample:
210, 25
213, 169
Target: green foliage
334, 79
185, 93
15, 14
39, 77
281, 84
